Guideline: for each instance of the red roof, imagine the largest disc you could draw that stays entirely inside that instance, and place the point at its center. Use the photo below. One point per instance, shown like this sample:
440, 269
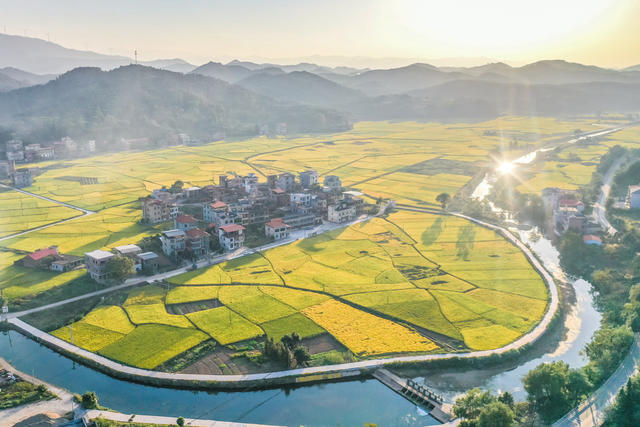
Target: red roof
230, 228
186, 219
218, 205
568, 202
277, 222
278, 191
195, 233
592, 237
42, 253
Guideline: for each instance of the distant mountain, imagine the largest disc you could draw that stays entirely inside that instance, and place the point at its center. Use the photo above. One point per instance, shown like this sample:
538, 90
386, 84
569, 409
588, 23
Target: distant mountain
138, 101
43, 57
177, 65
396, 80
303, 66
563, 72
301, 87
633, 68
29, 79
8, 83
230, 73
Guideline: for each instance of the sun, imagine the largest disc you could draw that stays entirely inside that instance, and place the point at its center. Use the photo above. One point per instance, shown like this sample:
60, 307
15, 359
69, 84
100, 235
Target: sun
506, 168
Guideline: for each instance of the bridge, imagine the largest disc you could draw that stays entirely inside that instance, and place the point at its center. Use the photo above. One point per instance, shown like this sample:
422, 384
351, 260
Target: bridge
416, 393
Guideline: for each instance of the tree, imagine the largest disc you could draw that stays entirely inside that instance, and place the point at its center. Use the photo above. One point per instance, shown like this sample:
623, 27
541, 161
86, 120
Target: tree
507, 399
553, 388
176, 187
605, 351
443, 199
625, 411
469, 405
180, 422
302, 355
496, 414
117, 268
41, 389
90, 400
291, 341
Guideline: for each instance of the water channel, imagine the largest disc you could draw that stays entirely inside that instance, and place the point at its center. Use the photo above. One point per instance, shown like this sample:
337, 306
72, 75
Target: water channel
331, 404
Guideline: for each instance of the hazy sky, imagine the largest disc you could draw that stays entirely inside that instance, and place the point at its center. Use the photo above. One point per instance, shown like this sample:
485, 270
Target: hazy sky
601, 32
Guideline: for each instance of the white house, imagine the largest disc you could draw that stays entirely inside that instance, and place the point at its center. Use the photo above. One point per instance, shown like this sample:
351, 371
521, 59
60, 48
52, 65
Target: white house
341, 212
96, 262
231, 236
173, 241
277, 229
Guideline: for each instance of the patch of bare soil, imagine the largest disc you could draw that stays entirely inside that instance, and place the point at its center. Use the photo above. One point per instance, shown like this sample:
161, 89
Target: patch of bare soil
321, 343
192, 307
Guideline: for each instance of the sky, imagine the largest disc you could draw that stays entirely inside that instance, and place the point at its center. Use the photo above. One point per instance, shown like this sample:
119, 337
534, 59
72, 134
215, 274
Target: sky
598, 32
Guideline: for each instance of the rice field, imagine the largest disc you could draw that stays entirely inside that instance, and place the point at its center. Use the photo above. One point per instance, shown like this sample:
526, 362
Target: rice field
409, 283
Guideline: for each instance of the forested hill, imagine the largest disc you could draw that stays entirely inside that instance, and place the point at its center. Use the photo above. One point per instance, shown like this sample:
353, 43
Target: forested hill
137, 101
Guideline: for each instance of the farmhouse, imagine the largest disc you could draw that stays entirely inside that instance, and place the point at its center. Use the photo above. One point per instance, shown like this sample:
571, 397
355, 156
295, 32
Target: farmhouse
96, 262
66, 263
231, 236
197, 241
155, 211
308, 178
173, 241
50, 259
286, 182
22, 178
633, 196
277, 229
341, 212
185, 222
149, 260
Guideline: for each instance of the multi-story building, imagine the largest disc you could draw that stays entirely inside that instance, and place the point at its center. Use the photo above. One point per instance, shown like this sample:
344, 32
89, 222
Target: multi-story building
185, 222
298, 200
96, 262
197, 241
149, 260
173, 241
211, 211
155, 211
22, 178
231, 236
131, 252
250, 183
308, 178
341, 212
332, 183
286, 181
302, 220
277, 229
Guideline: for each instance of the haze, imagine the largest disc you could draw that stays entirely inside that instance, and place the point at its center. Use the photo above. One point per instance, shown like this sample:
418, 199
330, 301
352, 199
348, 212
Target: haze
599, 32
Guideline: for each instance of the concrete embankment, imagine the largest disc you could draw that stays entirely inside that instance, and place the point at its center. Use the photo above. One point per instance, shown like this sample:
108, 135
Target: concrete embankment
302, 375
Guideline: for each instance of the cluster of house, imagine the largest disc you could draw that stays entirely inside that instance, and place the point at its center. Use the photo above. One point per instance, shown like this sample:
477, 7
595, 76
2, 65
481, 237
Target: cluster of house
566, 213
282, 203
96, 261
15, 151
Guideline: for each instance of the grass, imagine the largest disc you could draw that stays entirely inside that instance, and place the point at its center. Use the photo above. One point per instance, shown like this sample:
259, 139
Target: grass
224, 325
436, 272
22, 393
297, 323
151, 345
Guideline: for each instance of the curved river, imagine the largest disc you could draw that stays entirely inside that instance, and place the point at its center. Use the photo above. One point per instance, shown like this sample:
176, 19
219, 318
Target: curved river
339, 403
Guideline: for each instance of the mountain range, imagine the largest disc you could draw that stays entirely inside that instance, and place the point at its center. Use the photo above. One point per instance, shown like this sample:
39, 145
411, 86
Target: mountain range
241, 96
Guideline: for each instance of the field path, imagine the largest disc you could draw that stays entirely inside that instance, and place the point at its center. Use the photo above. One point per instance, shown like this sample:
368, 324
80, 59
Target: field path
344, 370
85, 212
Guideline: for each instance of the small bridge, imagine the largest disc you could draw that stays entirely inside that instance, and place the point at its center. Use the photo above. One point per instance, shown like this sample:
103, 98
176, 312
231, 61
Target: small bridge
417, 394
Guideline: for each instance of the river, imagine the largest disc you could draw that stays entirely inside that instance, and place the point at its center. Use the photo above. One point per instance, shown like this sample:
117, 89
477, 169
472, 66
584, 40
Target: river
331, 404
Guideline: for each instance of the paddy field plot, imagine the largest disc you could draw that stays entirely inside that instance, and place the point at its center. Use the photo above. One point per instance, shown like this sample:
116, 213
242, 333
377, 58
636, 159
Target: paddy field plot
408, 283
20, 212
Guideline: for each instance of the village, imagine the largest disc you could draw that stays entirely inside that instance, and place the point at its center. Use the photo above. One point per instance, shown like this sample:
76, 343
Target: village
197, 223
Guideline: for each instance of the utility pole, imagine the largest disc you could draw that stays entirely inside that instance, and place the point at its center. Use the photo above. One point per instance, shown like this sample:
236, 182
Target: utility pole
135, 54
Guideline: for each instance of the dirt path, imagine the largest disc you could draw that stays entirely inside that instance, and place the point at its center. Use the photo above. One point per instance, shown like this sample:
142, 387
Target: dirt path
61, 406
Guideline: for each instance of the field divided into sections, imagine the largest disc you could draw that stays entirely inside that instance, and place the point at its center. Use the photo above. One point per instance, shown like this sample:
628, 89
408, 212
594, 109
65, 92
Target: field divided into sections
409, 162
20, 212
409, 283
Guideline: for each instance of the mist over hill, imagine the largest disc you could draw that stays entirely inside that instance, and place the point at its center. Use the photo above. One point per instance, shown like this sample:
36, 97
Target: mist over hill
138, 101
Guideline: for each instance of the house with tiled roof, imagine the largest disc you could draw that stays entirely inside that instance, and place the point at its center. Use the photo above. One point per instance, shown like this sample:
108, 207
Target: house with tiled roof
185, 222
277, 229
197, 241
231, 236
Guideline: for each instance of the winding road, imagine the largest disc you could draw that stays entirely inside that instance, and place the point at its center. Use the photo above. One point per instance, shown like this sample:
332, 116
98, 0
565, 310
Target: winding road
600, 208
292, 375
